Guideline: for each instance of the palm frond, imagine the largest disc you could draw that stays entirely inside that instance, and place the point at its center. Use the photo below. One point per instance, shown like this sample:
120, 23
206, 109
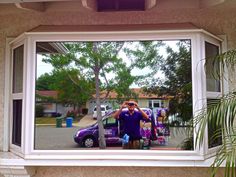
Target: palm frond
219, 116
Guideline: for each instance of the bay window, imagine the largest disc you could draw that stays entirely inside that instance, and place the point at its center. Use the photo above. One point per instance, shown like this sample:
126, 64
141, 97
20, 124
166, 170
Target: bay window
158, 76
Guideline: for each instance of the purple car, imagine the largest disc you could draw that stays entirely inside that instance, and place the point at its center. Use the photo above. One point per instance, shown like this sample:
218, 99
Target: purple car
88, 137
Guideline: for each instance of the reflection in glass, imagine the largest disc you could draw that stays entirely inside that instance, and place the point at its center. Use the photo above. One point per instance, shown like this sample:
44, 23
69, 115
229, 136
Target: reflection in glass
17, 122
212, 68
18, 56
155, 73
214, 132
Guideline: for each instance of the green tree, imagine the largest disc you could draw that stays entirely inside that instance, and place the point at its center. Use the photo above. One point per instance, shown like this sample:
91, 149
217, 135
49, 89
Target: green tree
39, 110
144, 61
72, 89
144, 55
94, 61
177, 82
123, 81
44, 82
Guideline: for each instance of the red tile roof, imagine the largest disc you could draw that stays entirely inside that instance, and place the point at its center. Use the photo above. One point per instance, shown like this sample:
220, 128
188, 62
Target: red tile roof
112, 95
47, 93
141, 94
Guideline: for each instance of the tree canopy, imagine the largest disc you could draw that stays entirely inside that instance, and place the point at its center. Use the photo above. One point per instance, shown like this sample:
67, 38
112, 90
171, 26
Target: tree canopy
175, 80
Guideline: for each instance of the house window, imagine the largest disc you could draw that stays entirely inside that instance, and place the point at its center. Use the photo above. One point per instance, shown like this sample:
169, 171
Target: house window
214, 88
155, 103
18, 69
143, 77
212, 68
17, 122
160, 70
17, 89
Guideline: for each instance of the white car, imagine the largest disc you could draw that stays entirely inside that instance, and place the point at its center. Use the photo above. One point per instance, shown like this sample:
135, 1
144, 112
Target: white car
104, 109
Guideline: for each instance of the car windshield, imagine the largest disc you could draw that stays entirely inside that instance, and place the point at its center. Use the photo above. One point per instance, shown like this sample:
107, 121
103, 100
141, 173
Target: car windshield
102, 109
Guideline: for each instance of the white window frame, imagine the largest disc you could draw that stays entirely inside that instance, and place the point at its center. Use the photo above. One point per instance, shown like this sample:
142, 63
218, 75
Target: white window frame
157, 101
213, 95
16, 96
113, 157
218, 44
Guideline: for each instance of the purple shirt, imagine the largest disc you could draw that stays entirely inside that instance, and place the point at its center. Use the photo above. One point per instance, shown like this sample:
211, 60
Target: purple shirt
131, 124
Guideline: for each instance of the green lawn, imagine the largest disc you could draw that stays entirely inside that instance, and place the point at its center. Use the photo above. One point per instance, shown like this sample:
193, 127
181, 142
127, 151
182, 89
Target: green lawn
45, 120
51, 120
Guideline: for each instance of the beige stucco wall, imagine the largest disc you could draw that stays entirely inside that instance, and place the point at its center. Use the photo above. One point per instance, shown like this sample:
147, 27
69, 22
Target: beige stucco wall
121, 172
143, 103
15, 21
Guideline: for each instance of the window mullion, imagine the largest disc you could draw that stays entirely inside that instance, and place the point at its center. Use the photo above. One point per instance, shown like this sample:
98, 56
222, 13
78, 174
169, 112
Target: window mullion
29, 95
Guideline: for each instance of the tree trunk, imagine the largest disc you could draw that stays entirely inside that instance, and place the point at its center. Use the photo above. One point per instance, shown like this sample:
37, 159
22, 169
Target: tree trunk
101, 137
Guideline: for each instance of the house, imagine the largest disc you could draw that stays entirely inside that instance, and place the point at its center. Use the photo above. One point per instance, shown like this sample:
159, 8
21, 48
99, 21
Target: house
47, 98
144, 100
209, 25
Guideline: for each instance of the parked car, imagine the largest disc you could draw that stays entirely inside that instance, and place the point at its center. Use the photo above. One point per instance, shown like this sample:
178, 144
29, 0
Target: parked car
88, 137
104, 110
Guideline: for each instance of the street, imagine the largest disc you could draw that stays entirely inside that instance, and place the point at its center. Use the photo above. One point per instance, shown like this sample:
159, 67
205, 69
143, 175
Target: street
52, 138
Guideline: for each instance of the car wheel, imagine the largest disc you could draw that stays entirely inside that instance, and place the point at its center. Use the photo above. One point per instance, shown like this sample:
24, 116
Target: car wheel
88, 142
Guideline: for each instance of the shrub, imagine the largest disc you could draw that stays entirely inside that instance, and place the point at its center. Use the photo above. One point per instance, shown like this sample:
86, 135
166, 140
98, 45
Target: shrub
85, 111
39, 110
72, 113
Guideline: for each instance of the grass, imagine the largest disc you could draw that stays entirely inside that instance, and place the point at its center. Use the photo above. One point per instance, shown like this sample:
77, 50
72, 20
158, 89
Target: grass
45, 120
51, 120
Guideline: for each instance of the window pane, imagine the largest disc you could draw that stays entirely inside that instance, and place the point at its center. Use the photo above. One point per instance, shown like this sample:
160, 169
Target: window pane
156, 105
154, 73
111, 121
150, 104
17, 121
214, 133
18, 56
212, 68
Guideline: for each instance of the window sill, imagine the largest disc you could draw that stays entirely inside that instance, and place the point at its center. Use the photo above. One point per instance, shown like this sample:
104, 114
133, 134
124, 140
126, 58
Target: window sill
10, 159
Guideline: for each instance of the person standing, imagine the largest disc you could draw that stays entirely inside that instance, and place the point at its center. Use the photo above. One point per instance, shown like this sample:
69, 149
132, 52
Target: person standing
131, 122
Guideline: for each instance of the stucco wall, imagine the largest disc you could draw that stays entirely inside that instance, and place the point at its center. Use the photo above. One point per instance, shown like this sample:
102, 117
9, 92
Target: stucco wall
15, 21
143, 103
121, 172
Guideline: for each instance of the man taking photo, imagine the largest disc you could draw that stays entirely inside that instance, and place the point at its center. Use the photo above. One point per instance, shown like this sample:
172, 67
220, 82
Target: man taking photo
131, 122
